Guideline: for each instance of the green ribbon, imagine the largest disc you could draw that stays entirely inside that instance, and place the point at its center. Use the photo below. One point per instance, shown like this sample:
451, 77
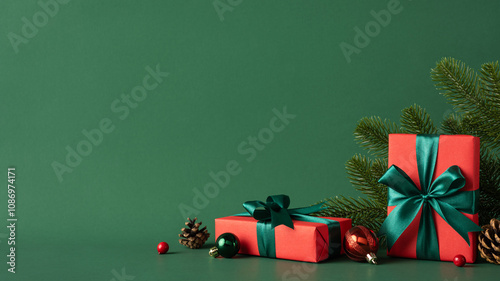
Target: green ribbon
275, 212
443, 196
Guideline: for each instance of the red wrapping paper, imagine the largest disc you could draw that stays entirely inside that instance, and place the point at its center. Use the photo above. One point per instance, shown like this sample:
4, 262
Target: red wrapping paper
460, 150
306, 242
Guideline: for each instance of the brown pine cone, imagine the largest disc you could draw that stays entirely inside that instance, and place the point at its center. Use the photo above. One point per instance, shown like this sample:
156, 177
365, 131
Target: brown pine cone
489, 242
194, 237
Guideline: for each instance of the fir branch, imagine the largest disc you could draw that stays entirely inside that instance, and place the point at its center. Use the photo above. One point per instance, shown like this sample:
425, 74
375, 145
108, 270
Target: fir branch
415, 120
466, 124
361, 211
364, 173
489, 182
459, 83
490, 120
455, 124
490, 78
473, 95
378, 169
373, 134
490, 170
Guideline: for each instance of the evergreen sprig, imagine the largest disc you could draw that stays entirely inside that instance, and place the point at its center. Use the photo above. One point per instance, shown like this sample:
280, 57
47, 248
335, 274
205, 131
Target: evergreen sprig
372, 133
489, 182
364, 174
490, 77
414, 120
455, 124
475, 95
459, 83
476, 98
362, 211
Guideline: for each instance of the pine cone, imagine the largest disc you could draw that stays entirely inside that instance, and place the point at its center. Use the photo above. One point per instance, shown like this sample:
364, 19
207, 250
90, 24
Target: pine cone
194, 237
489, 242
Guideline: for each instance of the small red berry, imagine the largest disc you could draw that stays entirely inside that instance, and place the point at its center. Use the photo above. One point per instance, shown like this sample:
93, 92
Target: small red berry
162, 248
459, 260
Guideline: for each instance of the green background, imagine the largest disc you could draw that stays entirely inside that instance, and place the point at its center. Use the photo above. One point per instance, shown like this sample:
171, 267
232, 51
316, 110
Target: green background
225, 78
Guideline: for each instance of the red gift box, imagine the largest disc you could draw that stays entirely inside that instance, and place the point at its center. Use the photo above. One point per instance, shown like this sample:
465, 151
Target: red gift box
308, 241
459, 150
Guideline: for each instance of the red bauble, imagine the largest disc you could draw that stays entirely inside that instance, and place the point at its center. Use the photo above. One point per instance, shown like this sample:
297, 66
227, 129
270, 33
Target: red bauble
361, 243
459, 260
162, 248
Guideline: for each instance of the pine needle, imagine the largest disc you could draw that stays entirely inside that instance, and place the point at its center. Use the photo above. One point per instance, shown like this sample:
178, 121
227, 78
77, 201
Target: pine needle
415, 120
373, 134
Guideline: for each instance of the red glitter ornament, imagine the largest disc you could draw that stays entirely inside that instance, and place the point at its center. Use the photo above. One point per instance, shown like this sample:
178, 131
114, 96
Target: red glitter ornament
361, 243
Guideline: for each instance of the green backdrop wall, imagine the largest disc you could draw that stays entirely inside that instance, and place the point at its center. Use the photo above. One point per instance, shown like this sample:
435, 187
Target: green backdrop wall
233, 68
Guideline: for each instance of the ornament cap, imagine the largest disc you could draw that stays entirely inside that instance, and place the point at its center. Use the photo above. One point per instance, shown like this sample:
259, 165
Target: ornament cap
214, 252
372, 258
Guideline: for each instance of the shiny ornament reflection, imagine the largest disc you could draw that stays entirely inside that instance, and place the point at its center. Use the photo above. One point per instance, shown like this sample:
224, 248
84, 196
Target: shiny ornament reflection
361, 243
227, 246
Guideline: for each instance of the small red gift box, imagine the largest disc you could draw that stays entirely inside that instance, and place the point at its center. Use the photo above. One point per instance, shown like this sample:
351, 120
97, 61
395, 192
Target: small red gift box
427, 158
308, 241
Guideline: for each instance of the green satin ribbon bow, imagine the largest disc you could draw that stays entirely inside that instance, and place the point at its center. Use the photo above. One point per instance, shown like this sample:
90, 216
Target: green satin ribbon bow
275, 212
442, 195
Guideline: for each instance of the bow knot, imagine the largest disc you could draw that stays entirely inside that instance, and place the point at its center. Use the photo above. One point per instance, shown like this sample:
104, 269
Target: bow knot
425, 197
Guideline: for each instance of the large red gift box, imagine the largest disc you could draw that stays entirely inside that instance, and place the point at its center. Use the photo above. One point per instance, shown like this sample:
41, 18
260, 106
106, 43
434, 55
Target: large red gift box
308, 241
460, 150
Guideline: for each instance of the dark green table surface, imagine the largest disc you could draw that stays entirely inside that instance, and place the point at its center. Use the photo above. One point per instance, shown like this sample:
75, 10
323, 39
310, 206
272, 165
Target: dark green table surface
68, 66
140, 262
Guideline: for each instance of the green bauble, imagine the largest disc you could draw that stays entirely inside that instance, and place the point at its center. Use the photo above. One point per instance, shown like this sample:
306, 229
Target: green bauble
228, 245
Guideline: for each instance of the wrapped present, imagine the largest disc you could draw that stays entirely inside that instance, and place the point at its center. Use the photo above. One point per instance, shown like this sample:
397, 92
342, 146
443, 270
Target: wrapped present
270, 229
433, 195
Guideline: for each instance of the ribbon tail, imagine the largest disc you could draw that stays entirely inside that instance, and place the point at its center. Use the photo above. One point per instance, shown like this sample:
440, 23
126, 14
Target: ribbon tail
281, 217
398, 220
307, 210
458, 221
427, 240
